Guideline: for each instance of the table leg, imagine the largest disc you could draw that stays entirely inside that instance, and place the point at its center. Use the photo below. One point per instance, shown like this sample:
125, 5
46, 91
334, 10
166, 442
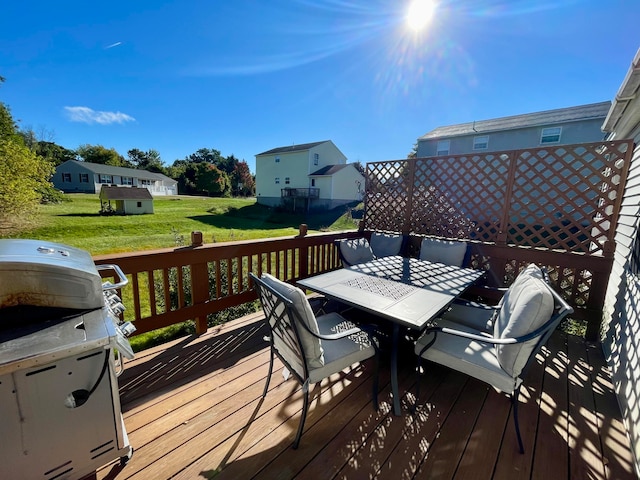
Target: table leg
394, 369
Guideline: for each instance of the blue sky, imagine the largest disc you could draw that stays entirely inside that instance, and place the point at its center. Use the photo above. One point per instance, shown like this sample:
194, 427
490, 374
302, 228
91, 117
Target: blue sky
245, 76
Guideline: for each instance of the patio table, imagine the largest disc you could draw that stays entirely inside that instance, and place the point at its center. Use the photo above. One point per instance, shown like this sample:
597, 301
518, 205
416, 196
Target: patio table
406, 291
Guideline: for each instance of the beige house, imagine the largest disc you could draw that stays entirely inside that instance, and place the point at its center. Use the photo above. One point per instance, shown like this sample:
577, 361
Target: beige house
125, 200
621, 316
307, 176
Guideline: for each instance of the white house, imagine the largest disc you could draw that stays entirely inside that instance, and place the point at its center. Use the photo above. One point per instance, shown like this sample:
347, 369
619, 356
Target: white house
84, 177
309, 176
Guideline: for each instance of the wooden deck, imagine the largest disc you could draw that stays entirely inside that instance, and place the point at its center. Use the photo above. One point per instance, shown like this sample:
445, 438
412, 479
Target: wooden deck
193, 410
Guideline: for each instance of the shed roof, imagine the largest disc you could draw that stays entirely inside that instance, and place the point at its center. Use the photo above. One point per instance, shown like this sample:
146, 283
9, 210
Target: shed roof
293, 148
113, 192
547, 117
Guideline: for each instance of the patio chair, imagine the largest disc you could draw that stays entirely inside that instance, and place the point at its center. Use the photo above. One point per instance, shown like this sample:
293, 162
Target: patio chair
353, 251
386, 244
311, 348
451, 252
529, 313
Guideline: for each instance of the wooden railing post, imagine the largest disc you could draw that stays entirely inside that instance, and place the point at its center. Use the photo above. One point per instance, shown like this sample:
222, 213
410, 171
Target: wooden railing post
200, 292
303, 258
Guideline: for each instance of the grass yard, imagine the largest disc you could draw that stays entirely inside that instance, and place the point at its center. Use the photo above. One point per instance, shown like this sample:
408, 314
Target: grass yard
77, 222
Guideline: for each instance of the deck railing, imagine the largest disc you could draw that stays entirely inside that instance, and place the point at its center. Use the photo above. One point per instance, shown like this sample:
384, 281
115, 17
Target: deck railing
173, 285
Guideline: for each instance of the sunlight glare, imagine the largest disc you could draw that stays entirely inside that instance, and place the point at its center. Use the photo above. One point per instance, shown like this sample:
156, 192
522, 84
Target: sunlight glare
419, 14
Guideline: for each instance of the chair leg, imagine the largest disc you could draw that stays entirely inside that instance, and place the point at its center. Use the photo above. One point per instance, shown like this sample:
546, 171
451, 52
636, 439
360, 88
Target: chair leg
515, 403
376, 382
266, 387
418, 377
305, 407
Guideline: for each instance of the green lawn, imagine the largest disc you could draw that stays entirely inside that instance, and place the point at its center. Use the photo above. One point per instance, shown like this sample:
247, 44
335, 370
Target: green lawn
76, 222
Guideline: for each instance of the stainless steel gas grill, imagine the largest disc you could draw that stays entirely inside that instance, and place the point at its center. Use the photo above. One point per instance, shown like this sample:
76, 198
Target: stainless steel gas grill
61, 339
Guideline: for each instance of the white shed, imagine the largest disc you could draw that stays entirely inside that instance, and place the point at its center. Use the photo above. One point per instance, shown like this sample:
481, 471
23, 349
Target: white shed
126, 200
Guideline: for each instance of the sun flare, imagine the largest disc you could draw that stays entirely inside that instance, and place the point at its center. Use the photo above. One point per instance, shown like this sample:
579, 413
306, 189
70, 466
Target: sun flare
419, 14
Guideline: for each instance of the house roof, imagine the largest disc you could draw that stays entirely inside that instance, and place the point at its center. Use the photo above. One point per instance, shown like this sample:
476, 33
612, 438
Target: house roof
328, 170
293, 148
122, 171
547, 117
113, 192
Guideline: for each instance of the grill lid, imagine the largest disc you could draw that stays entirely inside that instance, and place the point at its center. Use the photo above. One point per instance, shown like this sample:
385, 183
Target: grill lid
47, 274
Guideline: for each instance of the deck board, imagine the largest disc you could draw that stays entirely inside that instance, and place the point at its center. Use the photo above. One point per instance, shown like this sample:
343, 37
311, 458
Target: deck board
193, 409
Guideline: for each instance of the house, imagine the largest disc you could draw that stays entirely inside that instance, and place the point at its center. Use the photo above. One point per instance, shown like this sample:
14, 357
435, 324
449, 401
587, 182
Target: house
621, 312
125, 200
307, 176
563, 126
83, 177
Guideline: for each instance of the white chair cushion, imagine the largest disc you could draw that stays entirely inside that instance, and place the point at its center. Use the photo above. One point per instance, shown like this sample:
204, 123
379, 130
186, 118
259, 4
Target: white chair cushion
342, 353
356, 250
385, 244
311, 345
524, 309
475, 359
531, 271
450, 252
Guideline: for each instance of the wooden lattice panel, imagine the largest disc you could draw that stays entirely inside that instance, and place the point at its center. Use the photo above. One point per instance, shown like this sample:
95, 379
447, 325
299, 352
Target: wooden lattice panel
562, 198
565, 197
387, 194
459, 197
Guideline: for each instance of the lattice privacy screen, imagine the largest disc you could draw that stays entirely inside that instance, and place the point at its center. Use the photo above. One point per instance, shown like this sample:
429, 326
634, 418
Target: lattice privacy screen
563, 197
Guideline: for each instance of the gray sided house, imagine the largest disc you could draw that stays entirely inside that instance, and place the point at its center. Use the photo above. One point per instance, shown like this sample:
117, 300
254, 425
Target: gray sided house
84, 177
563, 126
621, 316
309, 176
125, 201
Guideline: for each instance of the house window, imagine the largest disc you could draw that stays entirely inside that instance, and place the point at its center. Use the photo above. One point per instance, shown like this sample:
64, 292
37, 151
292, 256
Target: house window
313, 182
277, 159
66, 177
126, 181
105, 178
139, 204
144, 182
481, 142
550, 135
287, 181
443, 147
277, 180
84, 177
316, 158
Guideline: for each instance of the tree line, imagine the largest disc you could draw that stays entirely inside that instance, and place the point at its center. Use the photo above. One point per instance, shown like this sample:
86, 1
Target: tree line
28, 161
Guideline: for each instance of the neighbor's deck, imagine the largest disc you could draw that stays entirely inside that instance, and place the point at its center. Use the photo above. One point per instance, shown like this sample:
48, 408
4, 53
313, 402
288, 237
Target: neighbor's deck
193, 409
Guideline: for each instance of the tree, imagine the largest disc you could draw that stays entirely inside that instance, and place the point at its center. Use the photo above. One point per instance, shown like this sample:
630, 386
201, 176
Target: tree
242, 182
149, 160
212, 180
24, 176
102, 155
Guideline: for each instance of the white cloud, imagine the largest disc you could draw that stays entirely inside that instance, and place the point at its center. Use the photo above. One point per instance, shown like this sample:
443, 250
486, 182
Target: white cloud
117, 44
90, 116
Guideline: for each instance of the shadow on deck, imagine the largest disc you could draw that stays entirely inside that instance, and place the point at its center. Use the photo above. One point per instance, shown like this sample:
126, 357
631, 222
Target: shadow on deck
193, 410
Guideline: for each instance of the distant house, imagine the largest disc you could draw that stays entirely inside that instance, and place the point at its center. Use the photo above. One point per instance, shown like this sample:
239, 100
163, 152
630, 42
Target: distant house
125, 201
307, 176
84, 177
581, 124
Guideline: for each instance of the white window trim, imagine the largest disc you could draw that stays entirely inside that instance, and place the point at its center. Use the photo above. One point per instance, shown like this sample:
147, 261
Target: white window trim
277, 180
277, 159
482, 140
66, 177
443, 151
547, 134
316, 158
287, 180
